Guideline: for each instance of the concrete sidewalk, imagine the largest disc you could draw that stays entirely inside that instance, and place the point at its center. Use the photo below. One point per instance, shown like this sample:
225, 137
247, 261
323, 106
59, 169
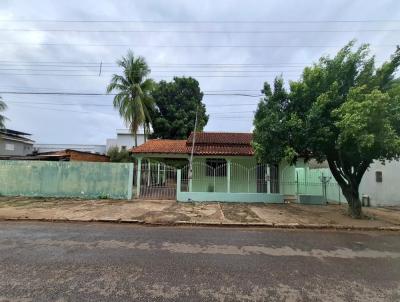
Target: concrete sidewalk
171, 212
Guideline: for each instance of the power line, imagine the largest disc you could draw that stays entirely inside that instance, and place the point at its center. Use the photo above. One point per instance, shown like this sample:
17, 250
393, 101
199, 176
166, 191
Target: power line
60, 30
155, 76
202, 21
155, 71
51, 89
185, 46
111, 94
152, 64
109, 105
237, 118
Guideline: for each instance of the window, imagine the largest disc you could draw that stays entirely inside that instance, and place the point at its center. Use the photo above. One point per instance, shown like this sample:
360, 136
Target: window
10, 147
378, 176
216, 166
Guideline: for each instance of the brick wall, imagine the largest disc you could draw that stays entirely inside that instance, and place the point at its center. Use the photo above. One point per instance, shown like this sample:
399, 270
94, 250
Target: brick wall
82, 156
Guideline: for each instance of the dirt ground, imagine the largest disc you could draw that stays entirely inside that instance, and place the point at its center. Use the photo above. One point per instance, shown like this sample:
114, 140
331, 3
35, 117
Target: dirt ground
168, 211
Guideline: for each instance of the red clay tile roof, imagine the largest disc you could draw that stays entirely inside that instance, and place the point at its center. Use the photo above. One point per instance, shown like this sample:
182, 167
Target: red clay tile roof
162, 146
228, 150
221, 138
207, 143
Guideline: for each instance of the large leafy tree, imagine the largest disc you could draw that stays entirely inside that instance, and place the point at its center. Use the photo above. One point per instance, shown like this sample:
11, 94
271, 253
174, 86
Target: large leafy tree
176, 106
343, 110
3, 107
133, 93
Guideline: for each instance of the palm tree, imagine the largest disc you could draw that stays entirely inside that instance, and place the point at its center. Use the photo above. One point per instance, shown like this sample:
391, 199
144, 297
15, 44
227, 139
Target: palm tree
133, 99
3, 107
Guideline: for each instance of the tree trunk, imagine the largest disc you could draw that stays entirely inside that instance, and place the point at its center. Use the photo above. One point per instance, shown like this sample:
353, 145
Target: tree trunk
349, 183
353, 199
135, 139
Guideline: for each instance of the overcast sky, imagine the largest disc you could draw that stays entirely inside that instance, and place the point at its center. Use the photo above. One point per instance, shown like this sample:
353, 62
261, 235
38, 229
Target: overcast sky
38, 56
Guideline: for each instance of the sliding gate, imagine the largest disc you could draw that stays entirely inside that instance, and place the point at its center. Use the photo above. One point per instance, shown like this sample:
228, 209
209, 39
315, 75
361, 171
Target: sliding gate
157, 181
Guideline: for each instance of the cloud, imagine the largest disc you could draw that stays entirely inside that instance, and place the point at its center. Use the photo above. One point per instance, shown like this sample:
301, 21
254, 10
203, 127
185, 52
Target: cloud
65, 124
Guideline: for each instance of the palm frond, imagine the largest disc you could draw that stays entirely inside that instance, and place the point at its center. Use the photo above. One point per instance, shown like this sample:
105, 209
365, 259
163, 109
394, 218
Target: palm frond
133, 99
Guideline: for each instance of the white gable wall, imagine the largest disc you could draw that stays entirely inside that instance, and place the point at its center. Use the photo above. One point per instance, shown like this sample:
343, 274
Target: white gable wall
384, 193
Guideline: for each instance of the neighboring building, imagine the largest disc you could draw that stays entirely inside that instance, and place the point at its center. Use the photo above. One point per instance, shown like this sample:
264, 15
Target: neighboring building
381, 183
97, 149
15, 143
125, 140
70, 155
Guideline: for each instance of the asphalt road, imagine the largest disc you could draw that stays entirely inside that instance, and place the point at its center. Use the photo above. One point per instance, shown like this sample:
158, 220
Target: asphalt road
109, 262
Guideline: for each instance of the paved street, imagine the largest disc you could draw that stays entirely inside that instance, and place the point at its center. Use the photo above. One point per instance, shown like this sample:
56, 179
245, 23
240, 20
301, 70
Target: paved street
104, 262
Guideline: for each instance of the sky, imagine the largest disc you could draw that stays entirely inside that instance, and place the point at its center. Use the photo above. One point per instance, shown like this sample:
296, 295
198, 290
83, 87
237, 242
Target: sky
230, 47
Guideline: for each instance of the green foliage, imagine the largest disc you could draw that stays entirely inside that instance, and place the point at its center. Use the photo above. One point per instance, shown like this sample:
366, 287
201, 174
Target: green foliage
119, 156
176, 104
133, 99
343, 110
3, 107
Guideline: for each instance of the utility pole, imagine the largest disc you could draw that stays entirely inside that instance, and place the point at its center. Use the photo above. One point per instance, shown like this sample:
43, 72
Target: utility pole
190, 174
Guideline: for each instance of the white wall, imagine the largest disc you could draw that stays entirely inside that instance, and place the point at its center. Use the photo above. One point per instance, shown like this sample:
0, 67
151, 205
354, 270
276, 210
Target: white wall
388, 191
125, 139
385, 193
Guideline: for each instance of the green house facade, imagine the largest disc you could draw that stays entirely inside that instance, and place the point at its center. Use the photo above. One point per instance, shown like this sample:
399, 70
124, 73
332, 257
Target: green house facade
223, 168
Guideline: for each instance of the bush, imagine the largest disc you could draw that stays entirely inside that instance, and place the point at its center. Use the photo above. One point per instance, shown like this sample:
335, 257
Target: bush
119, 156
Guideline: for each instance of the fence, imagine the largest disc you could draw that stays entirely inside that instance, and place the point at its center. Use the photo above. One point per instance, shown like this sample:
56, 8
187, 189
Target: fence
226, 181
311, 182
66, 179
156, 181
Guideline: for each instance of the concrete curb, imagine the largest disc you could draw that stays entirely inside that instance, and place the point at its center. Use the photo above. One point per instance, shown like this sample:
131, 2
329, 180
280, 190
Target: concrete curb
222, 224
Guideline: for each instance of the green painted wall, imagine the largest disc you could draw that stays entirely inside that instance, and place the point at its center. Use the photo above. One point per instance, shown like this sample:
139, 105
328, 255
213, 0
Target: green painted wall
301, 180
244, 175
66, 179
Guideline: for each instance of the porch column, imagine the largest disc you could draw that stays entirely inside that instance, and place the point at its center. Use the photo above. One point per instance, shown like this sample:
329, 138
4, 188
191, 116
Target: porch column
269, 179
158, 173
138, 176
149, 172
178, 183
228, 175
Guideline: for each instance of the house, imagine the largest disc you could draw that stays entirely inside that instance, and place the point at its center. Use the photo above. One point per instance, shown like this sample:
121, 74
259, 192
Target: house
224, 168
15, 143
125, 139
96, 149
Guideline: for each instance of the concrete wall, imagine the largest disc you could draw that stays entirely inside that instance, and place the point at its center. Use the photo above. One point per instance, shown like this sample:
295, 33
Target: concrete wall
14, 147
383, 193
66, 179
